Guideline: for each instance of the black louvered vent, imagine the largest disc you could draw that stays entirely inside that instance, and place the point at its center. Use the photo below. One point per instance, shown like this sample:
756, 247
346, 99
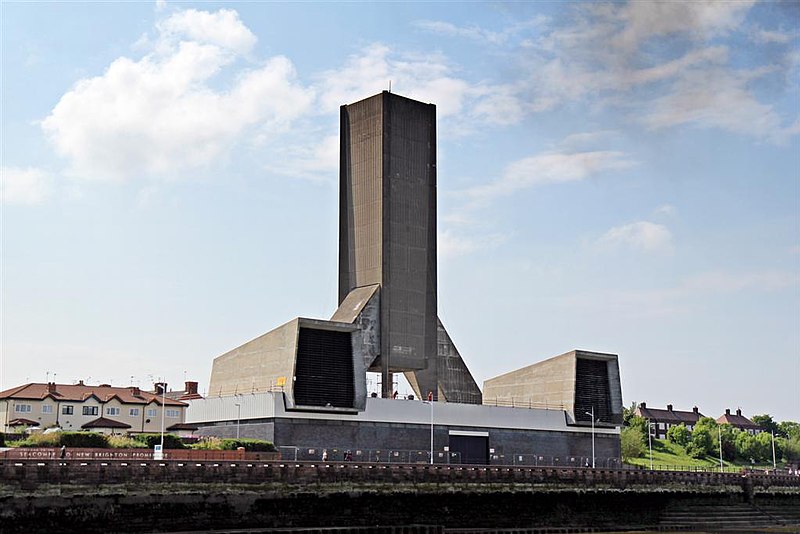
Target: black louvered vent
592, 390
324, 372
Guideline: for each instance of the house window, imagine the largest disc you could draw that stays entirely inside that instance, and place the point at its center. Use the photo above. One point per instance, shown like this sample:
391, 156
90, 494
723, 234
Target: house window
112, 411
134, 412
173, 413
47, 408
151, 412
90, 410
22, 408
67, 410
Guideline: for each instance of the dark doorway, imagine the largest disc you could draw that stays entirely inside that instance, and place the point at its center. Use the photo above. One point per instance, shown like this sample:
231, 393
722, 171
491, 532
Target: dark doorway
473, 449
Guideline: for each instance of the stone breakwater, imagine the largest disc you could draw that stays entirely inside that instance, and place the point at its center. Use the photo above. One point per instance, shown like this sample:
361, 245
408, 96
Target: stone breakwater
170, 496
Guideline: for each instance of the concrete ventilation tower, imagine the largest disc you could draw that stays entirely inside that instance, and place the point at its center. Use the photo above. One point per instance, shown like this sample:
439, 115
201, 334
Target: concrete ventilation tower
387, 318
387, 245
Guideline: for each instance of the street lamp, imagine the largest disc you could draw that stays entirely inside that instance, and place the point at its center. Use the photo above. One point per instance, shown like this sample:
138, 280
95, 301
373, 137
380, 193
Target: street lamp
238, 417
774, 463
163, 410
719, 432
430, 401
650, 426
592, 414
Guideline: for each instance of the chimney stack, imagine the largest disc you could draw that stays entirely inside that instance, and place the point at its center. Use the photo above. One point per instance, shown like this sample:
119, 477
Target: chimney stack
160, 387
669, 407
695, 410
51, 387
135, 391
643, 405
727, 411
739, 412
191, 388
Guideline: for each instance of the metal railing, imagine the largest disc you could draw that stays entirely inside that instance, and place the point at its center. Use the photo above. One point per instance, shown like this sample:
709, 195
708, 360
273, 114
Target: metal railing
344, 454
522, 403
415, 456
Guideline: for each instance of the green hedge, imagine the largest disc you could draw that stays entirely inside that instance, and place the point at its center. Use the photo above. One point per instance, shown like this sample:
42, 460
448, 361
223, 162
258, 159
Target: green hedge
94, 440
90, 440
212, 443
171, 441
250, 445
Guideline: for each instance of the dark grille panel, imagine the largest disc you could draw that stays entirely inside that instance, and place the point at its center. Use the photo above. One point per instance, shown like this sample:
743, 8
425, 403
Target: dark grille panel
591, 390
324, 373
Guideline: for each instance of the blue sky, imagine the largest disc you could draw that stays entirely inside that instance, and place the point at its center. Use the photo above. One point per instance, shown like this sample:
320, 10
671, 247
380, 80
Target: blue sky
612, 177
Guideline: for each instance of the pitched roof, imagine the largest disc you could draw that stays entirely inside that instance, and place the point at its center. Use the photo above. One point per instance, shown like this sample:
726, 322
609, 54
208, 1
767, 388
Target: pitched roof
674, 417
81, 392
103, 422
737, 420
20, 421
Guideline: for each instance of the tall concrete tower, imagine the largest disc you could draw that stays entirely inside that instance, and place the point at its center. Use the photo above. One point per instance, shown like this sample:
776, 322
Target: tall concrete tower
387, 318
387, 242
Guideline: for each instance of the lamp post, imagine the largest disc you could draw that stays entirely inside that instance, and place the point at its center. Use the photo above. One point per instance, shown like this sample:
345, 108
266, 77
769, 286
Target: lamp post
238, 417
430, 401
163, 411
719, 433
650, 426
774, 463
431, 431
592, 414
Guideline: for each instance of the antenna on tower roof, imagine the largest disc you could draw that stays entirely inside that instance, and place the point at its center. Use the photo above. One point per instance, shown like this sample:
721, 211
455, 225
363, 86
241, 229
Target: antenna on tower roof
390, 86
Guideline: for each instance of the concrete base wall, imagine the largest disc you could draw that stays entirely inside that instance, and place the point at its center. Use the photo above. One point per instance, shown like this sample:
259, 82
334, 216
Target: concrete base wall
535, 446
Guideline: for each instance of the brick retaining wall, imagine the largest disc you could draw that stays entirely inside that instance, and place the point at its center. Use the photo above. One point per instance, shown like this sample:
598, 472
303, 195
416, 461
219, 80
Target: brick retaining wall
31, 473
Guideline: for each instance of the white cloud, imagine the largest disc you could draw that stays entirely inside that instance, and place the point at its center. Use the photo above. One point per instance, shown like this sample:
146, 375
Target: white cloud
162, 115
718, 98
470, 32
666, 210
767, 36
476, 33
586, 139
701, 19
661, 62
427, 78
222, 28
552, 167
24, 185
316, 162
642, 235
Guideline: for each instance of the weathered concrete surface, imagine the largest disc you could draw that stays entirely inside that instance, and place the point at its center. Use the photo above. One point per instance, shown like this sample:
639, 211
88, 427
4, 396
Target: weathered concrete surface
362, 307
269, 362
97, 498
258, 364
554, 383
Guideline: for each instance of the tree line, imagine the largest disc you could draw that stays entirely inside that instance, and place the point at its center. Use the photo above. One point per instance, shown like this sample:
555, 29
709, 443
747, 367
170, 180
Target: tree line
704, 439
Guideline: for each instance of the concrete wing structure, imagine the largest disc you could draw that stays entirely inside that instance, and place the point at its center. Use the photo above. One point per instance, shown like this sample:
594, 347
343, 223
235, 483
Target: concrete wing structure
578, 382
319, 365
